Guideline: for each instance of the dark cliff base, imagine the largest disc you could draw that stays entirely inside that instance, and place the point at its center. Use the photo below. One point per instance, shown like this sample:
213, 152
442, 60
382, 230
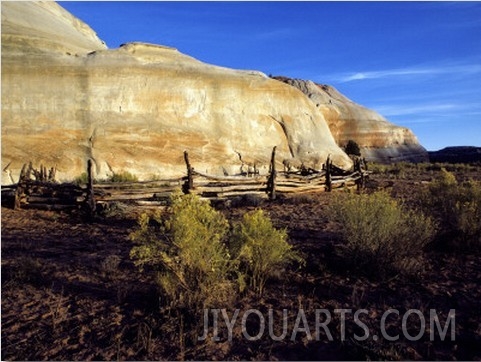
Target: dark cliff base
461, 154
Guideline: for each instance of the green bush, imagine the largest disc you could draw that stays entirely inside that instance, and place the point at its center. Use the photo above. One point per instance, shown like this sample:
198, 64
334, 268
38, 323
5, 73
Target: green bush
195, 267
381, 237
82, 179
457, 206
123, 176
187, 250
261, 249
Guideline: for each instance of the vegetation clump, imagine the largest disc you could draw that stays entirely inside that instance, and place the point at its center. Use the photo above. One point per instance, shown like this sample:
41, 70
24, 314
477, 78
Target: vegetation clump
457, 207
198, 262
123, 176
261, 248
352, 148
188, 251
381, 236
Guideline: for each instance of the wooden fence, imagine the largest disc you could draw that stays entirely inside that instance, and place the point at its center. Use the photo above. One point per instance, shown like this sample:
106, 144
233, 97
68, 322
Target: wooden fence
43, 192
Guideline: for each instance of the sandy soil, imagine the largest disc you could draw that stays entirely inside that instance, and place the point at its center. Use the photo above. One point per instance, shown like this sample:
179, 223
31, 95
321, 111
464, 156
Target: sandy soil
70, 292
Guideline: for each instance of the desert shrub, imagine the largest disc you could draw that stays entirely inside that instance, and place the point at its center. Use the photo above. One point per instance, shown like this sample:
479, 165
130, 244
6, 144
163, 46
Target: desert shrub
261, 249
381, 237
123, 176
352, 148
457, 206
378, 168
187, 251
82, 179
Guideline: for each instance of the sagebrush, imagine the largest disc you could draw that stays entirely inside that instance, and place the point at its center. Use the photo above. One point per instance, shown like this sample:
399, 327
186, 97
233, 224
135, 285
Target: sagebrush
262, 249
381, 236
188, 251
457, 206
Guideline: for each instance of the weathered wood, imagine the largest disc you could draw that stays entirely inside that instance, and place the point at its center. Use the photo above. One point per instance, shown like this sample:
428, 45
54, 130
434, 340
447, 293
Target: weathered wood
328, 174
298, 176
51, 200
349, 179
229, 178
139, 191
43, 192
189, 183
295, 183
271, 183
119, 196
90, 199
50, 207
20, 188
150, 203
352, 175
241, 188
140, 184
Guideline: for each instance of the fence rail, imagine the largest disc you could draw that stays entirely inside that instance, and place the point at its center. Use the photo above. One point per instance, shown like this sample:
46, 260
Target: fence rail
38, 189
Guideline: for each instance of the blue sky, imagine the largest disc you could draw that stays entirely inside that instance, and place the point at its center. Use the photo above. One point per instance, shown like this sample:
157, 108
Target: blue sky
416, 63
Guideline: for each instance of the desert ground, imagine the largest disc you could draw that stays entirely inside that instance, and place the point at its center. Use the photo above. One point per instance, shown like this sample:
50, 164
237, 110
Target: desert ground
71, 292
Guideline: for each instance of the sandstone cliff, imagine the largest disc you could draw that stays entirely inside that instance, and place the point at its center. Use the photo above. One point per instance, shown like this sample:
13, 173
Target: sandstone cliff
66, 98
380, 140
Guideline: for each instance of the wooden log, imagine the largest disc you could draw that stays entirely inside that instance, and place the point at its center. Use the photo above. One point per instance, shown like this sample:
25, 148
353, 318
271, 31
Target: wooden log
281, 188
238, 187
54, 207
295, 176
90, 199
271, 183
20, 190
51, 200
241, 193
189, 183
141, 184
328, 174
150, 203
351, 175
124, 197
344, 180
299, 183
145, 190
229, 178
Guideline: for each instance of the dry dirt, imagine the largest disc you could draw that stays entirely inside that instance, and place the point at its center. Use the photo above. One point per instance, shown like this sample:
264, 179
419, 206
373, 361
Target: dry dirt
70, 292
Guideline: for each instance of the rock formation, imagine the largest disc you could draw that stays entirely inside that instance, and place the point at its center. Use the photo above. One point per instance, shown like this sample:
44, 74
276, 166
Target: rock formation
379, 140
67, 98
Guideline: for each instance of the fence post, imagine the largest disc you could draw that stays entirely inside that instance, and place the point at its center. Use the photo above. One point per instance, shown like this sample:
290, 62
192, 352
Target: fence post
189, 183
328, 174
89, 200
17, 203
271, 182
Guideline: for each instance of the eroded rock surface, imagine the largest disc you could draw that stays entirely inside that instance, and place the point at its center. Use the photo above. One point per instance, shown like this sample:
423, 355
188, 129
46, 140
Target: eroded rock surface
380, 140
67, 98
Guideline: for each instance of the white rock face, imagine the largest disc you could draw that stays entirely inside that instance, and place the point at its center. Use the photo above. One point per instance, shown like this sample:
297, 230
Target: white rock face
66, 98
380, 140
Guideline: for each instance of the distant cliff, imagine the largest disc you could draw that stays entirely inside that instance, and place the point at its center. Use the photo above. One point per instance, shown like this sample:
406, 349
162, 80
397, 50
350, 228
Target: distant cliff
461, 154
380, 140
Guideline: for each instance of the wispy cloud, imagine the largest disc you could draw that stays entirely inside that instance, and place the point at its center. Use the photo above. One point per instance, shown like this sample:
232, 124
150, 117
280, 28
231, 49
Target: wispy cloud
415, 113
464, 69
401, 110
